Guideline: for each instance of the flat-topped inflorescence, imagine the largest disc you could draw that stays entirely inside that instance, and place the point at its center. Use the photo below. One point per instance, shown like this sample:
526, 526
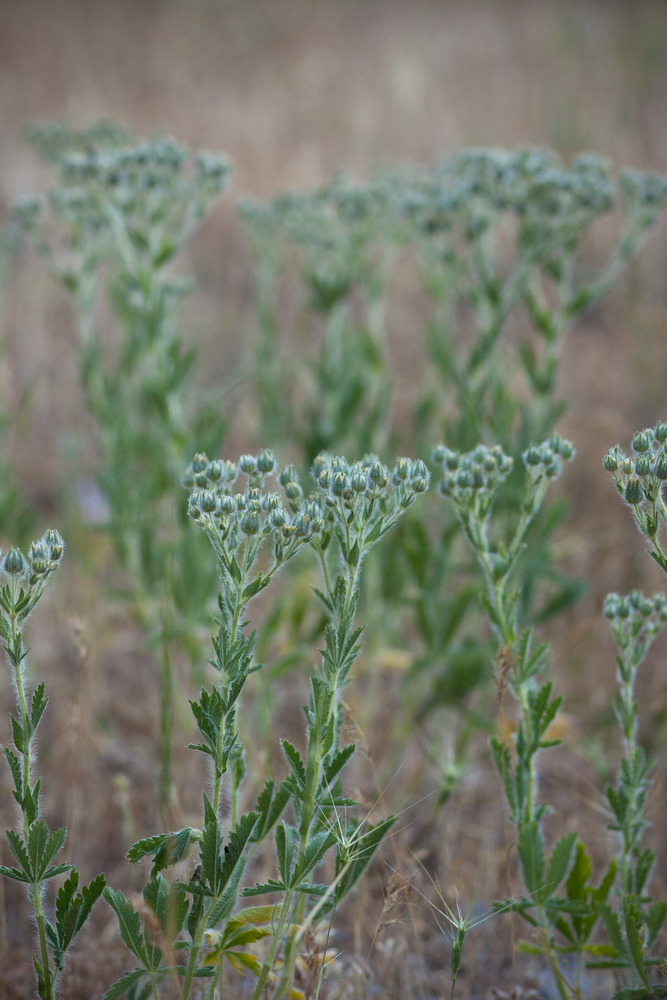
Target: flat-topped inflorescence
117, 198
640, 479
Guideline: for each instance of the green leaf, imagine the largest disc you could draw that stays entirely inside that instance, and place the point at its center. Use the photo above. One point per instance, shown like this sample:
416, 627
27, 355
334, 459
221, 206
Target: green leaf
167, 848
15, 874
211, 847
129, 926
169, 905
37, 706
530, 848
18, 848
73, 909
123, 984
655, 918
613, 929
559, 862
262, 887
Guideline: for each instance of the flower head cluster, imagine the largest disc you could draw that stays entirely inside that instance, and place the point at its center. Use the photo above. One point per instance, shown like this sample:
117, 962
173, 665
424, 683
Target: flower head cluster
24, 576
635, 615
140, 199
354, 485
545, 461
336, 230
472, 475
639, 478
364, 499
229, 501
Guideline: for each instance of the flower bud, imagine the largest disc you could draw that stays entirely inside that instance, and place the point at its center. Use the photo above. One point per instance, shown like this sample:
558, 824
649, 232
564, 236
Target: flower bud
660, 432
249, 523
208, 502
199, 462
293, 491
660, 466
641, 441
248, 464
610, 461
358, 480
643, 465
54, 540
13, 561
215, 470
633, 491
339, 484
265, 461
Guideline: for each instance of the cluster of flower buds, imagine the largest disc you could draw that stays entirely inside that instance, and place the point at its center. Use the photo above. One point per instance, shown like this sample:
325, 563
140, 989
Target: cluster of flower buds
639, 478
473, 474
336, 231
24, 576
349, 487
545, 460
42, 559
145, 195
231, 516
635, 621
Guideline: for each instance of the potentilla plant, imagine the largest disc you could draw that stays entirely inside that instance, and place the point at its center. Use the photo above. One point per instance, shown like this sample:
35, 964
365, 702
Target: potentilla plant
501, 239
341, 236
254, 532
471, 481
33, 845
121, 211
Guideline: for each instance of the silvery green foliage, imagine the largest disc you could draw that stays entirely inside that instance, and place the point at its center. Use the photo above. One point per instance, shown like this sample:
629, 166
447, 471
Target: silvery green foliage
34, 847
257, 518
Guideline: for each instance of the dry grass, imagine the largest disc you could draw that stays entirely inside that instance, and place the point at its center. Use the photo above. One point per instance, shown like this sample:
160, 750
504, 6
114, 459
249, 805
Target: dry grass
292, 91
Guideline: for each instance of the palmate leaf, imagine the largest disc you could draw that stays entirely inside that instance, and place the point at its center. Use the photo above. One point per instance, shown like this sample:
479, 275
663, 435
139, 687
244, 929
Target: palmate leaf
73, 908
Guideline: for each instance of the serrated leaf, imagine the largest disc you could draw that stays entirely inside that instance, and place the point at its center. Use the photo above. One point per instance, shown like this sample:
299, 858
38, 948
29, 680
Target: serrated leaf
123, 984
559, 862
262, 887
129, 925
15, 874
530, 848
210, 850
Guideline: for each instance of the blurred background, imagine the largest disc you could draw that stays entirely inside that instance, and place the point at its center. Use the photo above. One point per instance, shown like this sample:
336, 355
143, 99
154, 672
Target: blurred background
294, 91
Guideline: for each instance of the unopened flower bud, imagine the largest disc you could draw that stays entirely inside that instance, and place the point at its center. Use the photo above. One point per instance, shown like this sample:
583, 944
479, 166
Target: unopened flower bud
643, 465
633, 491
199, 462
641, 441
13, 561
247, 464
214, 470
208, 501
249, 523
265, 461
55, 542
610, 461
